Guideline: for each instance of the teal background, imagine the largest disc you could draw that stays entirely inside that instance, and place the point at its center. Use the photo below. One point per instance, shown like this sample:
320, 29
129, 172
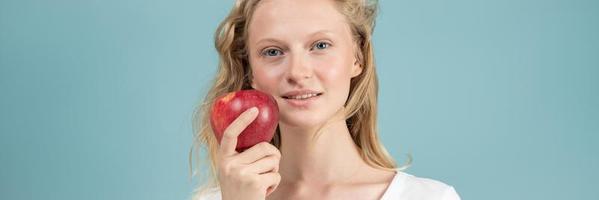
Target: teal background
498, 98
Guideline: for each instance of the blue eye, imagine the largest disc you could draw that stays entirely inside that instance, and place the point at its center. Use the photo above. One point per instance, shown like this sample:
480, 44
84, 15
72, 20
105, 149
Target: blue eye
272, 52
321, 45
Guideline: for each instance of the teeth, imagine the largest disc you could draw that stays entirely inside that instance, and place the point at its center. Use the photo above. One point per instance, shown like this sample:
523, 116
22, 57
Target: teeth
305, 96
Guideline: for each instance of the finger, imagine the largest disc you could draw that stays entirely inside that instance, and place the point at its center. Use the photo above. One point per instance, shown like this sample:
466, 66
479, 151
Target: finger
229, 140
272, 180
264, 165
258, 151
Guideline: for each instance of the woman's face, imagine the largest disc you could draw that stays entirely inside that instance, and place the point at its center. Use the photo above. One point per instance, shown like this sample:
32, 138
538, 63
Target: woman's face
302, 53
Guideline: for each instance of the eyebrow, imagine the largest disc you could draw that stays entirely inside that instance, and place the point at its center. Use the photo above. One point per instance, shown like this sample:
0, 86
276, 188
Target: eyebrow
273, 40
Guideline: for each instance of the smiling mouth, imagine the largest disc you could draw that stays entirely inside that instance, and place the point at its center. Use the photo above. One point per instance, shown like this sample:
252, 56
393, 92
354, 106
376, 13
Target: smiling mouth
303, 96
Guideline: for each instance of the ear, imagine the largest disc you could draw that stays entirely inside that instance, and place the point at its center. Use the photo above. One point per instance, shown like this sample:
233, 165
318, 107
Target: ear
356, 68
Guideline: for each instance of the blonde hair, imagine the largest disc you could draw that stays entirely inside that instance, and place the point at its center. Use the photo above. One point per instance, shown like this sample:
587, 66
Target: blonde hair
234, 74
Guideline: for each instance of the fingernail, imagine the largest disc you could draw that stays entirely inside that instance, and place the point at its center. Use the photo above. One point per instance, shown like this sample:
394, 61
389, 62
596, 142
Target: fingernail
253, 110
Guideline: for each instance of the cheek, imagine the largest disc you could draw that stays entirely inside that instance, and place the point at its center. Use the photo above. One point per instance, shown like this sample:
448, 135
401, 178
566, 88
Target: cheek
334, 69
264, 79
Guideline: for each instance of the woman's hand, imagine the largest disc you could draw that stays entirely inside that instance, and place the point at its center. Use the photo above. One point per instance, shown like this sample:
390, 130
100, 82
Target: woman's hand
252, 174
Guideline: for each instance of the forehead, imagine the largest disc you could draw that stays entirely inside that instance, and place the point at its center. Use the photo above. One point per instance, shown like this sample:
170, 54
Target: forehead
296, 18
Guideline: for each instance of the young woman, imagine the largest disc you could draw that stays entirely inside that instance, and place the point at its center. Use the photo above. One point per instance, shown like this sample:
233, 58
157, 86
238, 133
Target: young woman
315, 57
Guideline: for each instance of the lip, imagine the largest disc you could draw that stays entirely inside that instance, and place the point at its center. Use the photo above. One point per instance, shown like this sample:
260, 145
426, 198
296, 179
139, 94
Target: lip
301, 102
300, 92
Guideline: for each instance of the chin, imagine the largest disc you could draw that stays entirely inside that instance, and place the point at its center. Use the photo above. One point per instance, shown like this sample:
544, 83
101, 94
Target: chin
302, 120
305, 119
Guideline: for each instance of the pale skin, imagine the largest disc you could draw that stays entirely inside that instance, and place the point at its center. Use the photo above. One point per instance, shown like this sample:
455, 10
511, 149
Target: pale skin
295, 45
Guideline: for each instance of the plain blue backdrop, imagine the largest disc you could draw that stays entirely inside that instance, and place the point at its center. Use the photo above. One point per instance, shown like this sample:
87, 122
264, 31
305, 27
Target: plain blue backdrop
498, 98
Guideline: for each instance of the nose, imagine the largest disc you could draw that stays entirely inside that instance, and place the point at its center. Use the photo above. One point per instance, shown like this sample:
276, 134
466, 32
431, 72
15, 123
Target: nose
298, 71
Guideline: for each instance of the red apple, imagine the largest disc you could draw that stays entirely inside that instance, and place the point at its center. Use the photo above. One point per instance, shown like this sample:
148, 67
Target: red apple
229, 106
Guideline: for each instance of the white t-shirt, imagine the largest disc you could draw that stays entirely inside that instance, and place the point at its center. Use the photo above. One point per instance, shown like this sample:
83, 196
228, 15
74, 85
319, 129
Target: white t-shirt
404, 186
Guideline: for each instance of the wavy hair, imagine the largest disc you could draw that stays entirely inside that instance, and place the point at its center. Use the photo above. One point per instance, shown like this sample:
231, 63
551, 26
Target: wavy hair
234, 73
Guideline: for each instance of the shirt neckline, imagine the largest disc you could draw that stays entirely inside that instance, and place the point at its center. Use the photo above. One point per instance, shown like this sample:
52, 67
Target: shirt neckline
393, 189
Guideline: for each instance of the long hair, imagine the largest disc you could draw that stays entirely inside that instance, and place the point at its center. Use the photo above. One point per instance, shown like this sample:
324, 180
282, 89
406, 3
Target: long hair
234, 74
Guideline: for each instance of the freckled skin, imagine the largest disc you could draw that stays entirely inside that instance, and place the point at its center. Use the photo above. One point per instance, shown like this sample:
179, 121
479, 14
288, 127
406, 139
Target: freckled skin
291, 31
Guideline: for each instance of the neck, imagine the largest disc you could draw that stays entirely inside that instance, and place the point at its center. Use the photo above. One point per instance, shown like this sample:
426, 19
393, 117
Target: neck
330, 158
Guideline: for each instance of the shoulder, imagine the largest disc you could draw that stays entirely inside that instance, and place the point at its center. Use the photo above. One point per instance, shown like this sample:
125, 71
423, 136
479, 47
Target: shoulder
208, 194
409, 187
